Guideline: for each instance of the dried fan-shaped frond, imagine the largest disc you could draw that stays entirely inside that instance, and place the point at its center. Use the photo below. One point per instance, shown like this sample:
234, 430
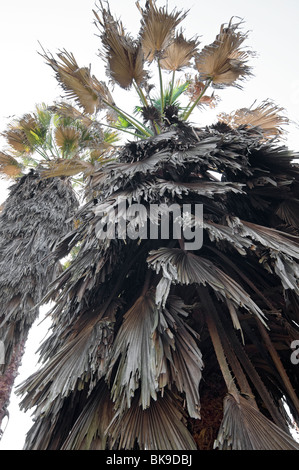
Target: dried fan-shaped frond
18, 133
78, 82
180, 267
223, 62
160, 427
67, 139
83, 357
266, 116
66, 167
89, 431
9, 166
245, 428
179, 53
157, 31
147, 340
66, 110
123, 55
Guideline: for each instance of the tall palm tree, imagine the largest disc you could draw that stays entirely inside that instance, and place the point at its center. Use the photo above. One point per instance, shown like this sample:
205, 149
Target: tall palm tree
157, 344
44, 149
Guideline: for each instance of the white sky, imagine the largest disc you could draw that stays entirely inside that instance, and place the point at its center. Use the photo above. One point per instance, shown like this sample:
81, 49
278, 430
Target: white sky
26, 80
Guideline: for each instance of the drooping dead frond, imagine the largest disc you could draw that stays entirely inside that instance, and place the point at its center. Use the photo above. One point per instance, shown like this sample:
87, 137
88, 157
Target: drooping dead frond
89, 430
159, 427
266, 116
66, 167
150, 346
179, 53
84, 354
123, 55
245, 428
79, 84
158, 29
224, 62
9, 166
68, 111
182, 267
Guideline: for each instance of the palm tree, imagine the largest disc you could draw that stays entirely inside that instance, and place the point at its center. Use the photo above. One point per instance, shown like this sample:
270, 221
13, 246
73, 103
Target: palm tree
156, 345
44, 149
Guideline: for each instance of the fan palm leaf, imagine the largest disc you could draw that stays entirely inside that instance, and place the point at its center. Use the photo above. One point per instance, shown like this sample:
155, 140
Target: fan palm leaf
78, 82
179, 53
161, 426
266, 116
9, 166
157, 29
245, 428
224, 62
123, 55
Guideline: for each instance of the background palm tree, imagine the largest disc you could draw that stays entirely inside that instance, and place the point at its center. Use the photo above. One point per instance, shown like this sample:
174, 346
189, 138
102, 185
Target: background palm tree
38, 211
155, 346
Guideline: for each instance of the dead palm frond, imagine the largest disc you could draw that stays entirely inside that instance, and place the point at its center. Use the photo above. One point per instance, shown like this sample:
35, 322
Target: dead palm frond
157, 357
179, 53
20, 133
266, 116
245, 428
159, 297
161, 426
67, 110
224, 62
66, 167
89, 93
9, 166
158, 29
67, 139
123, 56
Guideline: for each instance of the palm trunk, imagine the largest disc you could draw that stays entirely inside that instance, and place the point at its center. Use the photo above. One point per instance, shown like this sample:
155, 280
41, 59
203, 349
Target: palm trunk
35, 215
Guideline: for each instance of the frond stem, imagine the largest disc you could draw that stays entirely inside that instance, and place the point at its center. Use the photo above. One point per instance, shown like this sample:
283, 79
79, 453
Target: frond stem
120, 129
211, 321
161, 87
189, 111
138, 125
171, 87
145, 103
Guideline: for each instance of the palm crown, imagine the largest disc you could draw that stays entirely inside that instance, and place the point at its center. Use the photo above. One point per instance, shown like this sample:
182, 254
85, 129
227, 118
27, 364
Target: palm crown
149, 337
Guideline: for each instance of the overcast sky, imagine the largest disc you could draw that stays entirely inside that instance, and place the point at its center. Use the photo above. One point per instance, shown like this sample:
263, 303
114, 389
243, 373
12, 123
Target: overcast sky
26, 80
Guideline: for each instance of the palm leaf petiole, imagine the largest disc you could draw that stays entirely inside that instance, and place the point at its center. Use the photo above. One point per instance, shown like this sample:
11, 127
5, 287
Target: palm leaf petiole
189, 109
137, 124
